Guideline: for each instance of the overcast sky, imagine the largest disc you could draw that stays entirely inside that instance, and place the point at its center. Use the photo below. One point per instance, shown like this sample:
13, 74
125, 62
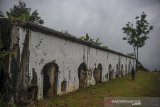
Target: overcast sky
101, 18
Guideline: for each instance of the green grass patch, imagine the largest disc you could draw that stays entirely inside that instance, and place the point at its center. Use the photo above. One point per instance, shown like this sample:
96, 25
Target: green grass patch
146, 84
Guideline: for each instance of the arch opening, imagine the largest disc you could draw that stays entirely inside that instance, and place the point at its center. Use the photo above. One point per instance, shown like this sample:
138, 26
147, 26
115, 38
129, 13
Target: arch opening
126, 72
63, 86
117, 71
50, 73
110, 72
82, 73
98, 73
122, 70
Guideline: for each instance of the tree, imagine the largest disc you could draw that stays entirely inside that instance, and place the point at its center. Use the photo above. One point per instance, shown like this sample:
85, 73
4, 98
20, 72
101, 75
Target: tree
86, 38
20, 13
137, 34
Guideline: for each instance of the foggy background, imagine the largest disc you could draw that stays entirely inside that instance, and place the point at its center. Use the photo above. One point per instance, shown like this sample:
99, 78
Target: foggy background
100, 18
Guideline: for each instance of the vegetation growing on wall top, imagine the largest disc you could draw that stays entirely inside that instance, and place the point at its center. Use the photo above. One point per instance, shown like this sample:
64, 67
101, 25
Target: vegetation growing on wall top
20, 14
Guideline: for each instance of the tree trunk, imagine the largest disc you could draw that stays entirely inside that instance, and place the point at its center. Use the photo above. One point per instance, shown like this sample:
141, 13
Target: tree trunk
137, 61
134, 52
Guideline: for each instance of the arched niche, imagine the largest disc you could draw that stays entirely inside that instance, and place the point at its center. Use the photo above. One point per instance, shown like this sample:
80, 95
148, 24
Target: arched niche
121, 69
82, 74
110, 72
98, 73
63, 86
50, 76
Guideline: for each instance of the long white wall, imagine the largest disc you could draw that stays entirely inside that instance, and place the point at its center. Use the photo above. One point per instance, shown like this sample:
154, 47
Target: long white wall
68, 55
33, 50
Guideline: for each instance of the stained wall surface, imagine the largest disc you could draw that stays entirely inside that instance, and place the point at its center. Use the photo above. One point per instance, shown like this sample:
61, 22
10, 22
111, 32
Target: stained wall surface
68, 56
54, 65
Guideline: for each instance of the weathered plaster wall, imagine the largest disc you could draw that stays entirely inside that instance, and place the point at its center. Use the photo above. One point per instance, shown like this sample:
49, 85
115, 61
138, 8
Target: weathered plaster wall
68, 56
19, 62
45, 64
15, 67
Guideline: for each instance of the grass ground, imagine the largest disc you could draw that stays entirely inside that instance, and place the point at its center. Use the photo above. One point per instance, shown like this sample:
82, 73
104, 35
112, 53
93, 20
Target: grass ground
146, 84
